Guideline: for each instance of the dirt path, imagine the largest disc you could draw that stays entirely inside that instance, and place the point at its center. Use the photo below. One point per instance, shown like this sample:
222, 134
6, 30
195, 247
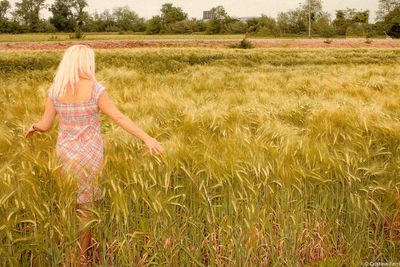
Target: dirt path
204, 43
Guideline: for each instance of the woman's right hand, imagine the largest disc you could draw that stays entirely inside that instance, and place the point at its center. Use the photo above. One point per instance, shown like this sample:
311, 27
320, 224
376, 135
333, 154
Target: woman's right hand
29, 132
154, 146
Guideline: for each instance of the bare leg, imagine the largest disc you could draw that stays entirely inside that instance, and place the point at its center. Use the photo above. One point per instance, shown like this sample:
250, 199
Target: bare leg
85, 235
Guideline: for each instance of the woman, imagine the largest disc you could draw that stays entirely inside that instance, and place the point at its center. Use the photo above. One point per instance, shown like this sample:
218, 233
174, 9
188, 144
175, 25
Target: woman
77, 98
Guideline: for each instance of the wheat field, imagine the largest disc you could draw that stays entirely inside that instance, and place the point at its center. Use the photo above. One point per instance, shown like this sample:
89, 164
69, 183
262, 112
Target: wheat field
280, 157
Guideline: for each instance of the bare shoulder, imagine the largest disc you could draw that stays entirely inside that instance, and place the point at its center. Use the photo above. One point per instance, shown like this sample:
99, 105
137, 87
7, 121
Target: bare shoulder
101, 82
86, 82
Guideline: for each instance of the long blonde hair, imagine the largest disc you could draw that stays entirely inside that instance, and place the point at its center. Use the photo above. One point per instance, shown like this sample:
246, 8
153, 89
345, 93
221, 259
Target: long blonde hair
77, 60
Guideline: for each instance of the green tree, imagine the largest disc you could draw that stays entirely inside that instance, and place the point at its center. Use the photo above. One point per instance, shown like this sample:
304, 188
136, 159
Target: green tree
235, 26
312, 7
172, 20
27, 13
341, 22
213, 26
185, 26
311, 11
282, 22
4, 22
298, 20
391, 23
324, 27
127, 20
198, 25
359, 23
219, 23
292, 21
106, 21
377, 29
99, 22
220, 13
182, 26
385, 7
171, 14
351, 22
62, 16
264, 25
361, 17
4, 7
80, 16
154, 25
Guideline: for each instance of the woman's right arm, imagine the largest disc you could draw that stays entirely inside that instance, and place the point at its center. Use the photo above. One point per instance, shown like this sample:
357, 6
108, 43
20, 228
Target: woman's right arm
107, 106
45, 122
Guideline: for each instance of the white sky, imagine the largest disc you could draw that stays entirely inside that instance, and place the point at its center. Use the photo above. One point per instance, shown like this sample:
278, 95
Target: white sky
236, 8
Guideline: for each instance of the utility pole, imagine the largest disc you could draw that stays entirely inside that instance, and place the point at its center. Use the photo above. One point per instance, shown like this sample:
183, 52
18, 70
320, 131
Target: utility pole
309, 18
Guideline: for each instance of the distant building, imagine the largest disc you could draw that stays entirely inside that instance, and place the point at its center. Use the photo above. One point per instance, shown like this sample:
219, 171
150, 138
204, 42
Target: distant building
208, 15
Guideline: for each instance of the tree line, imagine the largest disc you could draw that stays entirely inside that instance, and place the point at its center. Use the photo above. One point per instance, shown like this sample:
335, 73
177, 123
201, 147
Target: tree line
309, 17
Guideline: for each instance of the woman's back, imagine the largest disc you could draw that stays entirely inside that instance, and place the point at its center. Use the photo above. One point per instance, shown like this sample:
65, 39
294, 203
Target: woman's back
79, 114
83, 92
79, 143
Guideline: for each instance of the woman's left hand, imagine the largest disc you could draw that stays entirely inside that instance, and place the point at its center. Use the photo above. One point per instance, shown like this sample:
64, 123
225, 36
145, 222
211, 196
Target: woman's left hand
154, 146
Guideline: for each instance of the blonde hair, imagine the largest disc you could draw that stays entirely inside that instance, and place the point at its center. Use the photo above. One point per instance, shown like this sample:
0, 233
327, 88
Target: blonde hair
77, 60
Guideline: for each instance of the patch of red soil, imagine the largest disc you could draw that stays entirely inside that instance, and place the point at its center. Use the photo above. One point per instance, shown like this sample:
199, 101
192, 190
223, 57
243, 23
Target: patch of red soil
204, 43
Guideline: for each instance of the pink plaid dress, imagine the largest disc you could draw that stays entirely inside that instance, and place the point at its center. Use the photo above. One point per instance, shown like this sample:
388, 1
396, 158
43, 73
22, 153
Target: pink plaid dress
79, 144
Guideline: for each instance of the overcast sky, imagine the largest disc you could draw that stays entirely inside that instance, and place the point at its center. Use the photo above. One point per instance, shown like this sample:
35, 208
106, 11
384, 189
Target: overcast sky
237, 8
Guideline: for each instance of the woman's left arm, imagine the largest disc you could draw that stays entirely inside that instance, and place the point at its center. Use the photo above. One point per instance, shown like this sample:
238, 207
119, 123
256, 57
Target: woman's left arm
46, 121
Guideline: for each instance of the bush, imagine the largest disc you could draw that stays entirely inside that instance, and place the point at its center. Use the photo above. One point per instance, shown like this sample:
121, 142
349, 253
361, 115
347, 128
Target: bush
179, 27
244, 44
77, 35
214, 26
264, 31
356, 30
12, 26
113, 28
394, 31
45, 26
236, 27
368, 41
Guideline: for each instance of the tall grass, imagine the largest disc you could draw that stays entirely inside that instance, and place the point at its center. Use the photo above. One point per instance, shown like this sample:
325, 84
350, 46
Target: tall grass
273, 157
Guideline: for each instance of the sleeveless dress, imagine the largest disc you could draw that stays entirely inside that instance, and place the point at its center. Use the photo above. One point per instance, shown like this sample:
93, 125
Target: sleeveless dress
79, 144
